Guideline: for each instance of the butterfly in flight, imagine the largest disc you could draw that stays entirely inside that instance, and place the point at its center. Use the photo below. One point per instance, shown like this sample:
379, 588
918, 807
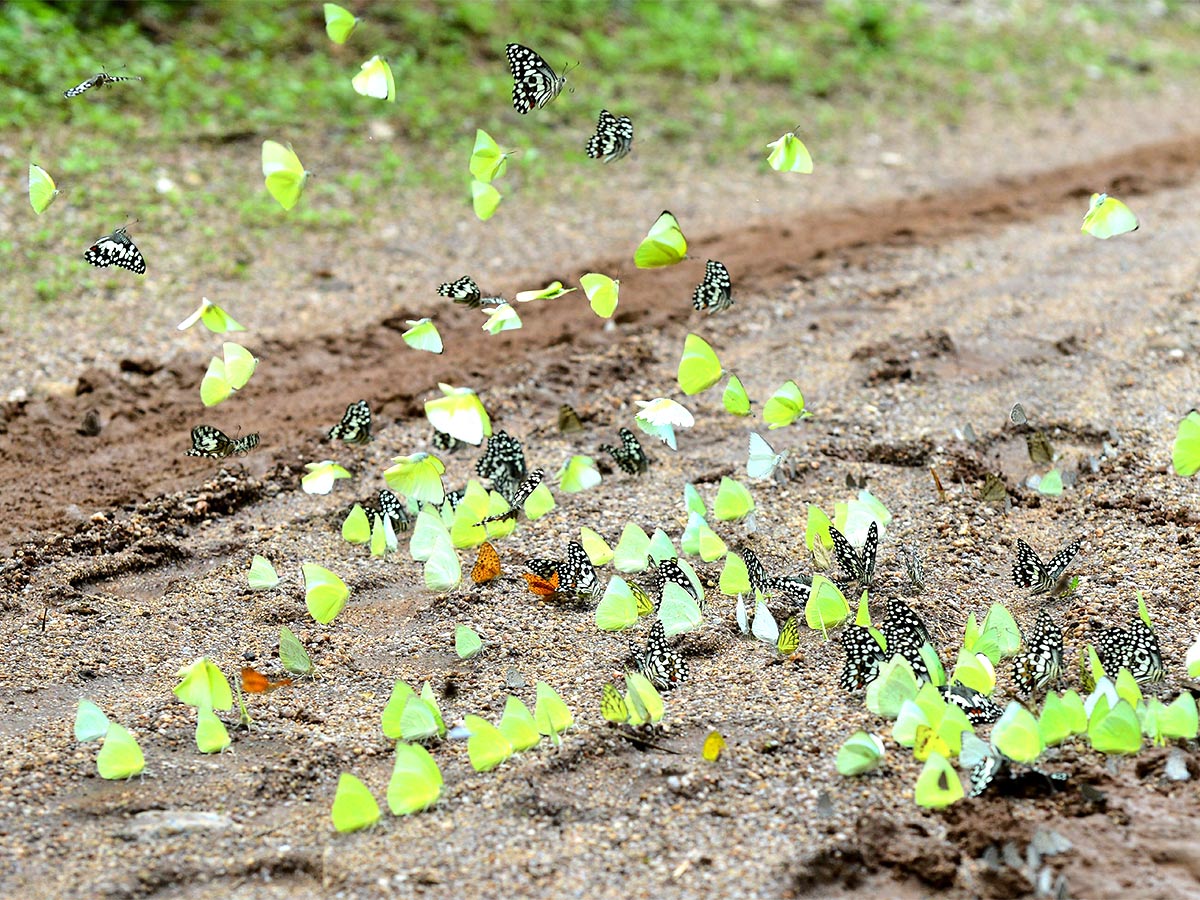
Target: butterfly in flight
100, 79
355, 427
466, 292
1030, 572
520, 495
1041, 661
630, 456
215, 444
116, 249
858, 564
1136, 650
534, 82
613, 138
714, 293
664, 667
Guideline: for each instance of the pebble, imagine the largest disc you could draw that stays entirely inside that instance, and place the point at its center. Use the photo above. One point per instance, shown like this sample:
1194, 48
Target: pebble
153, 825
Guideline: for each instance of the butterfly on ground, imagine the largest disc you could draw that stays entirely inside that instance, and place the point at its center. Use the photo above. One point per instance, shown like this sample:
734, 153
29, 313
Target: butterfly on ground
542, 586
466, 292
793, 588
613, 138
905, 633
255, 682
391, 508
714, 293
666, 668
669, 570
859, 565
994, 489
215, 444
612, 705
568, 419
788, 643
503, 455
116, 249
487, 565
979, 708
1041, 451
534, 82
100, 79
914, 567
995, 772
863, 658
576, 574
355, 427
1031, 572
1041, 661
630, 456
519, 496
1136, 650
1017, 415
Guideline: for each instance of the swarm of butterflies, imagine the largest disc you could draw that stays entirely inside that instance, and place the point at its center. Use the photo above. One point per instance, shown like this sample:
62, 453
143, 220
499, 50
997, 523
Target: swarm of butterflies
903, 632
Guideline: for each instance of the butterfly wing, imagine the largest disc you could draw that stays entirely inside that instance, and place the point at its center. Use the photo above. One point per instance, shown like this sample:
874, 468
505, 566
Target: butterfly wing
487, 566
355, 427
863, 658
1029, 572
391, 508
577, 574
715, 292
464, 291
211, 442
613, 138
666, 668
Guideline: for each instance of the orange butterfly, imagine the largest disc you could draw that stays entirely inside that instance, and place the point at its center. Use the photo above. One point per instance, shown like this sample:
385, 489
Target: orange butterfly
487, 566
543, 587
255, 682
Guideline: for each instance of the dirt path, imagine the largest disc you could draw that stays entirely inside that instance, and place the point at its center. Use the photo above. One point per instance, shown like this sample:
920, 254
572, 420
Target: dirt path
903, 321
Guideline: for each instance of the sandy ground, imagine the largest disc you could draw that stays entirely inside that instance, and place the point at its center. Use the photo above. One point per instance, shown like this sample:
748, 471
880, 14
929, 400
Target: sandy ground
919, 299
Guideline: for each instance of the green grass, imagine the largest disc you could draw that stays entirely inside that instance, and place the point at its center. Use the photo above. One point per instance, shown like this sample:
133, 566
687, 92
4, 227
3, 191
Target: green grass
712, 81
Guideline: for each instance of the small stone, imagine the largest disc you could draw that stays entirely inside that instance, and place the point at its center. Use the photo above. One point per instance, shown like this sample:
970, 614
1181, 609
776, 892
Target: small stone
1175, 768
153, 825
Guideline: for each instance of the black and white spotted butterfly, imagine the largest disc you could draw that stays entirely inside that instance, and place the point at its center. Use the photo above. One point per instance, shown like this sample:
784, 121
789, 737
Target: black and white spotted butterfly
995, 771
863, 658
666, 668
1041, 661
792, 588
466, 292
577, 574
906, 634
613, 138
100, 79
669, 571
630, 456
116, 249
859, 565
503, 455
215, 444
979, 708
392, 509
445, 442
534, 82
355, 427
519, 496
1030, 572
715, 292
1136, 650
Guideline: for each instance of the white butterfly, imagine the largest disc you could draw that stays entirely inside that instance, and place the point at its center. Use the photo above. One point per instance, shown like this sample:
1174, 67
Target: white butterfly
763, 460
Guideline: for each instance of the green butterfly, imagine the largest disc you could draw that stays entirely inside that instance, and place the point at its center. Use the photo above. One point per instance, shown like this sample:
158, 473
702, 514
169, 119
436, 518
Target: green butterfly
416, 782
354, 807
485, 199
1107, 217
422, 334
212, 317
320, 477
788, 154
325, 594
860, 754
226, 375
339, 23
460, 414
284, 174
488, 161
41, 189
1185, 454
262, 575
699, 368
664, 244
602, 293
375, 80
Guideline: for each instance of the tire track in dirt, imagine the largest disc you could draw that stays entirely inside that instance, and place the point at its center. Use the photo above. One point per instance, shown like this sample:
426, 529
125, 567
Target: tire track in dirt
54, 475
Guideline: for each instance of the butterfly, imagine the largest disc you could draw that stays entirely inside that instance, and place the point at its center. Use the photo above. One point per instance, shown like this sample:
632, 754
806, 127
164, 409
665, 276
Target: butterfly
914, 566
1040, 449
215, 444
466, 292
502, 455
534, 82
487, 566
905, 634
996, 770
629, 457
116, 249
980, 708
568, 419
100, 79
455, 497
1029, 571
542, 586
519, 496
391, 508
668, 570
789, 637
863, 658
1136, 650
1017, 415
575, 574
714, 292
613, 138
355, 427
612, 704
994, 490
444, 441
255, 682
1041, 662
666, 668
858, 564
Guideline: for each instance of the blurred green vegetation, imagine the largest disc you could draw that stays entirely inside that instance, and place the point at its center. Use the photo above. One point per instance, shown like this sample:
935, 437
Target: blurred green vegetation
713, 80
